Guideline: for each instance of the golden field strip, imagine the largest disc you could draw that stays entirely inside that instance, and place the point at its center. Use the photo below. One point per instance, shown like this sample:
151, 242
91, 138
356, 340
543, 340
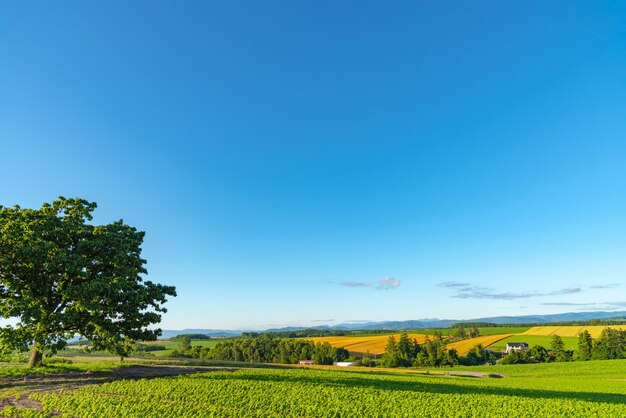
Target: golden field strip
373, 344
464, 346
376, 344
571, 331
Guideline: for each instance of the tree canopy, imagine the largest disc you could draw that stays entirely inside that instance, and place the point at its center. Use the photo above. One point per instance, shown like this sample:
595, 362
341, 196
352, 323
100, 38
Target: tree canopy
61, 276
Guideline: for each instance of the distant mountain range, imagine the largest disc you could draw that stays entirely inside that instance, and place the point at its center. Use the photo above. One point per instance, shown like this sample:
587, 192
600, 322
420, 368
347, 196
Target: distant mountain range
416, 324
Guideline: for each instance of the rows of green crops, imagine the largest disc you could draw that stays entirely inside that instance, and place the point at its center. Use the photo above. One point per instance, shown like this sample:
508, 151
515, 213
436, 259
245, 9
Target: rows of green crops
557, 391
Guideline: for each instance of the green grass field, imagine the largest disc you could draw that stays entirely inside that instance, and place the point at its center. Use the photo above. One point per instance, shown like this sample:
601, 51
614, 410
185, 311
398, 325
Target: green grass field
585, 389
171, 345
571, 343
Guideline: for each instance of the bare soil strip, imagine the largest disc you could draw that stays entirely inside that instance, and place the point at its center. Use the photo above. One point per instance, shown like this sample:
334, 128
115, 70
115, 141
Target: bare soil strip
73, 380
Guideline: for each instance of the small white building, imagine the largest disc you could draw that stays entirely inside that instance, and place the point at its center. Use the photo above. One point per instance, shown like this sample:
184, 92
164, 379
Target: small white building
344, 364
515, 347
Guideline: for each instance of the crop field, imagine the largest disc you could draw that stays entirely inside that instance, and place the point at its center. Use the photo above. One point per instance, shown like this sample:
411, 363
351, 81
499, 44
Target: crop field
375, 344
463, 347
556, 389
571, 331
494, 338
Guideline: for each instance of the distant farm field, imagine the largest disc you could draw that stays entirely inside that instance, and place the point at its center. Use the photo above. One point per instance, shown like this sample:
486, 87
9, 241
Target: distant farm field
464, 346
374, 344
571, 331
494, 338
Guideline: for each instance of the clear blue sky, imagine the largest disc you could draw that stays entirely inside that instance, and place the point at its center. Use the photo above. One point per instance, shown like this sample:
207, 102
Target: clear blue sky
319, 162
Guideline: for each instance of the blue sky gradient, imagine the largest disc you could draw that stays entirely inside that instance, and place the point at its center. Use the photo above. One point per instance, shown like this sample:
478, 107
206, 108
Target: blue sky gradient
298, 163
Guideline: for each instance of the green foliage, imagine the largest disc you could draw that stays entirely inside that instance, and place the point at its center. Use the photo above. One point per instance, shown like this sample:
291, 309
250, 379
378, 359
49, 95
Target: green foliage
585, 346
558, 350
191, 337
400, 354
302, 333
61, 276
323, 353
610, 345
184, 344
267, 349
144, 348
477, 355
461, 333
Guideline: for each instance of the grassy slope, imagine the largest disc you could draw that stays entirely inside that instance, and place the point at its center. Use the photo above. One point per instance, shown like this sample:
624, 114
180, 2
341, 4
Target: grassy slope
171, 346
554, 389
571, 343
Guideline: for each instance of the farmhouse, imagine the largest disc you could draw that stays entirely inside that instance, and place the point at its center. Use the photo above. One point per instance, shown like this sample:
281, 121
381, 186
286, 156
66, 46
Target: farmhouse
344, 364
516, 347
307, 362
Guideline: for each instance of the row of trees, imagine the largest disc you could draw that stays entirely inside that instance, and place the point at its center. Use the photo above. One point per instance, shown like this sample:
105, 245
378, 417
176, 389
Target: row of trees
190, 337
301, 333
463, 332
267, 349
610, 345
407, 352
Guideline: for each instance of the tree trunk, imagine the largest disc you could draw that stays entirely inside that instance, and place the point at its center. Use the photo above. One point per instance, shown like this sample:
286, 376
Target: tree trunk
36, 357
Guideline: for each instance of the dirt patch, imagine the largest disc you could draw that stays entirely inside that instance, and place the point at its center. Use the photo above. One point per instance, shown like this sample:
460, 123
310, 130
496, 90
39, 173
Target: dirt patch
73, 380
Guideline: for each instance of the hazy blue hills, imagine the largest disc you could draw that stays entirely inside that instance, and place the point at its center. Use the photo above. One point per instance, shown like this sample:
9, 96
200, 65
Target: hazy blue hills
418, 324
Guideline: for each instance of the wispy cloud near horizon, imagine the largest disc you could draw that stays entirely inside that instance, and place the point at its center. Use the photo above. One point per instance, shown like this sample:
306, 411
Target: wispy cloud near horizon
605, 286
386, 283
357, 284
467, 291
452, 284
585, 306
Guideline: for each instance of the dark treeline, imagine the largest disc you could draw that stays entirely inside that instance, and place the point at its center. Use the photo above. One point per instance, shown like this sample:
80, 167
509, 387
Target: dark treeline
191, 337
606, 321
267, 349
407, 352
301, 333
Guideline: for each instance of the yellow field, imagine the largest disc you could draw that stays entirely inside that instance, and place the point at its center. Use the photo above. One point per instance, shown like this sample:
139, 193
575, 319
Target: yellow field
464, 346
571, 331
374, 344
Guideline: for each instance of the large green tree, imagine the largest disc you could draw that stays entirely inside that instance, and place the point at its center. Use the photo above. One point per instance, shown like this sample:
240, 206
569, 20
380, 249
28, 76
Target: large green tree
61, 276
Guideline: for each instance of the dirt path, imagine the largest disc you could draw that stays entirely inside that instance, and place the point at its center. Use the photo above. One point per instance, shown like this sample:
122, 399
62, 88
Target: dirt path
72, 380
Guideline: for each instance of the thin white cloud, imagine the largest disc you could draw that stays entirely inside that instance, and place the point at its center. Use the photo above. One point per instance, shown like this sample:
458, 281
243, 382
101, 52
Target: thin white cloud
388, 283
605, 286
466, 291
383, 284
566, 291
485, 293
590, 306
452, 284
357, 284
